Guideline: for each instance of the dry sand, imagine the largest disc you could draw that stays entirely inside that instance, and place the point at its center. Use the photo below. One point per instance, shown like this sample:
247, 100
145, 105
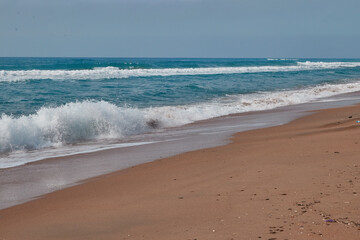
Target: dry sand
296, 181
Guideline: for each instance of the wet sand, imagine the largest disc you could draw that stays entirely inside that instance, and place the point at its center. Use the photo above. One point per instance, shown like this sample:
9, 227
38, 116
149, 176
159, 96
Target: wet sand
296, 181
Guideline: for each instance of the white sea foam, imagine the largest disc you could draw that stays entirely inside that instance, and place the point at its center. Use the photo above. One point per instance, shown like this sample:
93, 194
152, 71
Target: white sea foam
282, 59
91, 121
70, 123
114, 72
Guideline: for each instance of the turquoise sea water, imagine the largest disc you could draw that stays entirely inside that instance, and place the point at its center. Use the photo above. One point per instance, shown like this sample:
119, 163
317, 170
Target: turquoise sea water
54, 102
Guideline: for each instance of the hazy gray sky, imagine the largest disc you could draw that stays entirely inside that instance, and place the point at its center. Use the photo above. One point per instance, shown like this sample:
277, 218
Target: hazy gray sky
180, 28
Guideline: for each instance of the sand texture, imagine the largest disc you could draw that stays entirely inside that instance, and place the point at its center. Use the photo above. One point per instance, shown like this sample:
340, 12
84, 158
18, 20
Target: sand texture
296, 181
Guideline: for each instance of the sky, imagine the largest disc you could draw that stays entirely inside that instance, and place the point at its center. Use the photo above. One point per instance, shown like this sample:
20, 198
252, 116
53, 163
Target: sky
180, 28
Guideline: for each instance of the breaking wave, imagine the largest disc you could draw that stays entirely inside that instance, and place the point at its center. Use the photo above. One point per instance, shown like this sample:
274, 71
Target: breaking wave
100, 120
114, 72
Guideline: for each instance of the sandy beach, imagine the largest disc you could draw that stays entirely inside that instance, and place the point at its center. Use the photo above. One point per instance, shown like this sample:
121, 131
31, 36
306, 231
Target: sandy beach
296, 181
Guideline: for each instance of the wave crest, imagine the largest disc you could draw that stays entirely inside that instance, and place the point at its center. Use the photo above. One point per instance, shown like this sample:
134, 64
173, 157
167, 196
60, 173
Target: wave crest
70, 123
114, 72
91, 121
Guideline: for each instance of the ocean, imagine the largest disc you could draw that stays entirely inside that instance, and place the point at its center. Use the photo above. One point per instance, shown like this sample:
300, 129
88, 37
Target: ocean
61, 106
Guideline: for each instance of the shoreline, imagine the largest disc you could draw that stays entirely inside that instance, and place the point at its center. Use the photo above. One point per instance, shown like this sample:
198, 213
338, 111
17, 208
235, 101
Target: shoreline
19, 184
303, 184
